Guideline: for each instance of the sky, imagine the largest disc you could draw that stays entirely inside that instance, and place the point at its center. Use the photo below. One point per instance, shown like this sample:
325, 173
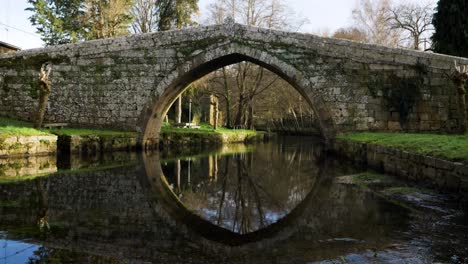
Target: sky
322, 15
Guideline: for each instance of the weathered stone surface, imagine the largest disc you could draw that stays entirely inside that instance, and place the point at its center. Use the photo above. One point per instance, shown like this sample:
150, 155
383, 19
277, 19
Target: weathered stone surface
424, 169
27, 145
92, 144
127, 83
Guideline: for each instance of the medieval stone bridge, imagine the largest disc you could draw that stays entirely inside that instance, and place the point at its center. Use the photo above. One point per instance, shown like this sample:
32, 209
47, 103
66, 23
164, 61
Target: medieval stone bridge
130, 82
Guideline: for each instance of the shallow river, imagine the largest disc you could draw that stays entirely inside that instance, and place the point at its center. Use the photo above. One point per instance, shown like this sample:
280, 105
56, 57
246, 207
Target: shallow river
284, 201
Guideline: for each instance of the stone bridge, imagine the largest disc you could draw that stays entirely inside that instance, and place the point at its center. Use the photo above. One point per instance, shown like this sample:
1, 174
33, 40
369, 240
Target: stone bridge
130, 82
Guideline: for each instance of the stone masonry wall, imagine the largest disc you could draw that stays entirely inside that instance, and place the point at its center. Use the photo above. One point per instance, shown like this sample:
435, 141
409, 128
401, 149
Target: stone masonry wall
113, 83
27, 145
428, 170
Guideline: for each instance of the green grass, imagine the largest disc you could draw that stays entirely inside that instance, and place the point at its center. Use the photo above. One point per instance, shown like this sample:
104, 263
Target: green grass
10, 127
206, 129
452, 147
85, 132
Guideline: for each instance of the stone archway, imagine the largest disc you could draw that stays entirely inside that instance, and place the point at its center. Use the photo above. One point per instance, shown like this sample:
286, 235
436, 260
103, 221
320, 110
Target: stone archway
205, 62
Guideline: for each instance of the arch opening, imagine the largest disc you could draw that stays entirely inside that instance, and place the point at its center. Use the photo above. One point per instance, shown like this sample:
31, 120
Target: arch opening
201, 65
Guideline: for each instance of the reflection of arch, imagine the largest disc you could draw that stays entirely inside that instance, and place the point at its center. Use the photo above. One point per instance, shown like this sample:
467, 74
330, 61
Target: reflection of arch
159, 188
205, 62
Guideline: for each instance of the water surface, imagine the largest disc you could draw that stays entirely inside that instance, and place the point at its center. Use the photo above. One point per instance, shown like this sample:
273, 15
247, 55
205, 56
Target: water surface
285, 201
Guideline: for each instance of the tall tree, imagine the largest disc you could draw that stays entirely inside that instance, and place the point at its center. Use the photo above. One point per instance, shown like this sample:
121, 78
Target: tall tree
176, 14
451, 28
58, 21
144, 13
351, 33
371, 16
108, 18
246, 79
415, 19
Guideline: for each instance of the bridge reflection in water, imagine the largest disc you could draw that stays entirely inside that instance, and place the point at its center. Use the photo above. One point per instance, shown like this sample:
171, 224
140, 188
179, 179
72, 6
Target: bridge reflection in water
278, 200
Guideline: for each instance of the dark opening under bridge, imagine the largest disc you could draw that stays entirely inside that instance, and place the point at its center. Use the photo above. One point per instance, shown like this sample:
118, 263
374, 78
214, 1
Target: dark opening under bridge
130, 82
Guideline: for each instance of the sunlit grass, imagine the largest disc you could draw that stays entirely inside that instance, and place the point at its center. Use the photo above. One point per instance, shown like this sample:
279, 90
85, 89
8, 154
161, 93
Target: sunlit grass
206, 129
11, 127
452, 147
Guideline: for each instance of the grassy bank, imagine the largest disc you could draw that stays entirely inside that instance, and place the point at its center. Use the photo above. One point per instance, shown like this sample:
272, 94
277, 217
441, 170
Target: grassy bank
11, 127
206, 129
451, 147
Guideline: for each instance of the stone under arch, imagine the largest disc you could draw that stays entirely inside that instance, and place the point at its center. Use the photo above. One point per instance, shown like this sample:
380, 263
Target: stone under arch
204, 62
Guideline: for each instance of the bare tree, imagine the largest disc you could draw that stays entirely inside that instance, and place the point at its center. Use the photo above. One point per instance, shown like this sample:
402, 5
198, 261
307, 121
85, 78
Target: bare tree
371, 16
247, 79
144, 13
414, 19
351, 33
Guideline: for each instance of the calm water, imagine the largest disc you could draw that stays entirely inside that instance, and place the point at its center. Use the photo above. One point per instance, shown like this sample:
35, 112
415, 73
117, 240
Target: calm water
278, 202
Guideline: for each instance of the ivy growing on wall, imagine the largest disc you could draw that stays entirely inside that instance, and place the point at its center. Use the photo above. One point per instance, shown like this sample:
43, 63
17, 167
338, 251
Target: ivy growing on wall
399, 93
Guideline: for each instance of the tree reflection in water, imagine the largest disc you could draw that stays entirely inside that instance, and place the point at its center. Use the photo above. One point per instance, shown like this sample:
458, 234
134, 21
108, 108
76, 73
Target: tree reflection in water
245, 192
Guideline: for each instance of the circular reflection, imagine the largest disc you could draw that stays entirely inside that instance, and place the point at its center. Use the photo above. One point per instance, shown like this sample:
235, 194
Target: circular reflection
244, 190
237, 195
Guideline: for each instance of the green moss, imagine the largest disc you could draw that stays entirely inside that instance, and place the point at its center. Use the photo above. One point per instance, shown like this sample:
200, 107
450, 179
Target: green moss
44, 142
15, 146
451, 147
34, 89
9, 180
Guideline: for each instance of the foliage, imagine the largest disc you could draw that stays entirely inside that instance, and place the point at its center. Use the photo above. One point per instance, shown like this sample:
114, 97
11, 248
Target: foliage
451, 28
70, 21
403, 95
452, 147
351, 33
144, 16
400, 93
58, 21
371, 17
176, 13
107, 18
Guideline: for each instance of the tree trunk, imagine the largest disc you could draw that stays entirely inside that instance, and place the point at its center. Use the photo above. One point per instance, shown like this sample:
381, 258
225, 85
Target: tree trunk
416, 42
44, 93
250, 123
227, 90
179, 110
462, 106
216, 114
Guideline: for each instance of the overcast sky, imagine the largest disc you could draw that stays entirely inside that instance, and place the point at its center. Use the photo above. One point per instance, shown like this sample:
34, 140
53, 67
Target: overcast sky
330, 15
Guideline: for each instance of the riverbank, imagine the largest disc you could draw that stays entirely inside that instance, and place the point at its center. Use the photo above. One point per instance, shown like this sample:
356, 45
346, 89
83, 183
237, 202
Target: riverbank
439, 161
449, 147
206, 135
18, 138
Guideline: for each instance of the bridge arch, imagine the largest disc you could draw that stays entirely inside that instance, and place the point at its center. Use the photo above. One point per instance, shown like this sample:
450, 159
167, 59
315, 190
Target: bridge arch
211, 59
